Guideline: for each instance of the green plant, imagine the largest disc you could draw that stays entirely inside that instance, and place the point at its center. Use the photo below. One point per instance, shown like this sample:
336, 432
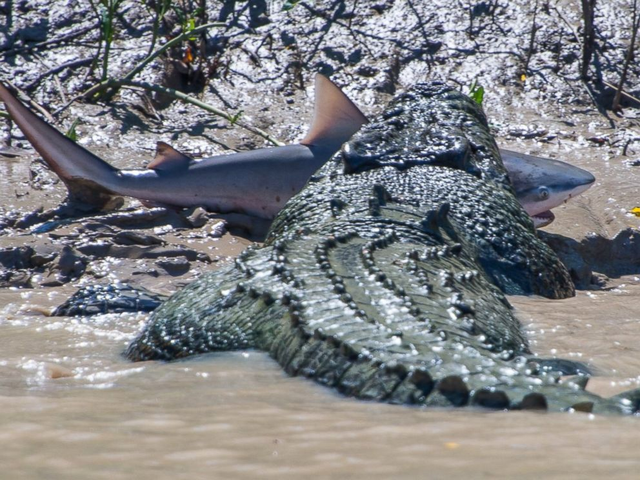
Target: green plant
106, 11
160, 9
476, 92
71, 132
187, 20
234, 118
289, 5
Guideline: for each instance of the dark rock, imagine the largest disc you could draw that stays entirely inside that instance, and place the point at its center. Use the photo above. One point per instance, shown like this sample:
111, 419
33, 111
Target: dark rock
611, 257
258, 13
197, 217
145, 218
355, 56
129, 237
287, 39
134, 251
40, 259
95, 249
174, 266
97, 227
568, 250
324, 68
64, 235
13, 258
334, 54
367, 71
29, 219
15, 279
381, 7
68, 266
113, 298
37, 32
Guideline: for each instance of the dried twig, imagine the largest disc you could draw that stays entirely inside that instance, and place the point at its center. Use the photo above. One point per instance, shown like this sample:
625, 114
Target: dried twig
48, 43
601, 110
588, 36
72, 64
569, 26
233, 119
635, 25
532, 38
620, 91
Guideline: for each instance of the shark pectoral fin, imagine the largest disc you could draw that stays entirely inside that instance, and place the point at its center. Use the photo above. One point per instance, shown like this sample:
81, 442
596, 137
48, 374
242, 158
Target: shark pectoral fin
335, 118
168, 158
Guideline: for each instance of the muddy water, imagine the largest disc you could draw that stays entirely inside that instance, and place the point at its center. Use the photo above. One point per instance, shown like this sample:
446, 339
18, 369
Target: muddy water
72, 407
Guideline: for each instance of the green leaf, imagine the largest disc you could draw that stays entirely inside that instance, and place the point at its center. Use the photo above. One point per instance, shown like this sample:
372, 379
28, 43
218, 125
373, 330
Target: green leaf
289, 5
191, 25
71, 133
478, 95
234, 118
476, 92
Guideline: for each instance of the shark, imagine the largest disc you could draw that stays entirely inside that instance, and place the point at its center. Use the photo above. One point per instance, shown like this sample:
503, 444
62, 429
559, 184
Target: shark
542, 184
259, 182
256, 183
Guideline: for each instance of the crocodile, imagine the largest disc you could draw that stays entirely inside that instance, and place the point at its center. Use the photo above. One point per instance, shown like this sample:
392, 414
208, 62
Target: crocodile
385, 277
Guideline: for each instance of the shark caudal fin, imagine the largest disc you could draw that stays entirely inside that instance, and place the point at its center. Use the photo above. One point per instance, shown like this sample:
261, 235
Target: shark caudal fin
335, 118
84, 174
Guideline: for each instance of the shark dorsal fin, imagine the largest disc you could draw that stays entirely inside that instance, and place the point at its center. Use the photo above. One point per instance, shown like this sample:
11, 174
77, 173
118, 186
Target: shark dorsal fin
335, 118
168, 158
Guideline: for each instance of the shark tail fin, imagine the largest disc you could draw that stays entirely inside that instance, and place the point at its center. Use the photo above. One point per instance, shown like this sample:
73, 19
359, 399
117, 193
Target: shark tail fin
335, 119
84, 174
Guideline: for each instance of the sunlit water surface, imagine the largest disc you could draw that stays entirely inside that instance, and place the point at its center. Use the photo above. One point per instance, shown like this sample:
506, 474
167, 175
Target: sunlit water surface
72, 407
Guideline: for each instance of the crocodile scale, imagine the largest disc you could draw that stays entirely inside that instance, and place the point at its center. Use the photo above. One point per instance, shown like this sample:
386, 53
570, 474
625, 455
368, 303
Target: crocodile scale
385, 277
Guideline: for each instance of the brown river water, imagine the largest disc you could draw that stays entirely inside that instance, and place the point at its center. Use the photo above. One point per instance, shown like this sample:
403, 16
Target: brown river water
71, 407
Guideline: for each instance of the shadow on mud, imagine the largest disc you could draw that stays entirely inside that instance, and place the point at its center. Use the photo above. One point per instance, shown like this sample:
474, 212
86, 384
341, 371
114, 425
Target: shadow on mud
594, 256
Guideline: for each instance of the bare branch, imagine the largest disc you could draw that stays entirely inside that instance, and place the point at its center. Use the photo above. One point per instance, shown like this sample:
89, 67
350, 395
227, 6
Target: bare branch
635, 25
233, 119
588, 36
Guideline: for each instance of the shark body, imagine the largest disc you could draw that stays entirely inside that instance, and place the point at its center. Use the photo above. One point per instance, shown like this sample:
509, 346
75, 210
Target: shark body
259, 182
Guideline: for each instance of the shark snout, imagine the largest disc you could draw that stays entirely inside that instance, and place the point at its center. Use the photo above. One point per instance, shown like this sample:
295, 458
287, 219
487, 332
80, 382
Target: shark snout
583, 178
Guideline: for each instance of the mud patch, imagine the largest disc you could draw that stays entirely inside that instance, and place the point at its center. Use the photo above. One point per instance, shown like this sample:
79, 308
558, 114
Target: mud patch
594, 258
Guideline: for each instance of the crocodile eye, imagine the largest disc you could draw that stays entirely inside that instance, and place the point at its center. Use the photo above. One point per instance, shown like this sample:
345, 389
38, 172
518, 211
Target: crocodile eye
543, 193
